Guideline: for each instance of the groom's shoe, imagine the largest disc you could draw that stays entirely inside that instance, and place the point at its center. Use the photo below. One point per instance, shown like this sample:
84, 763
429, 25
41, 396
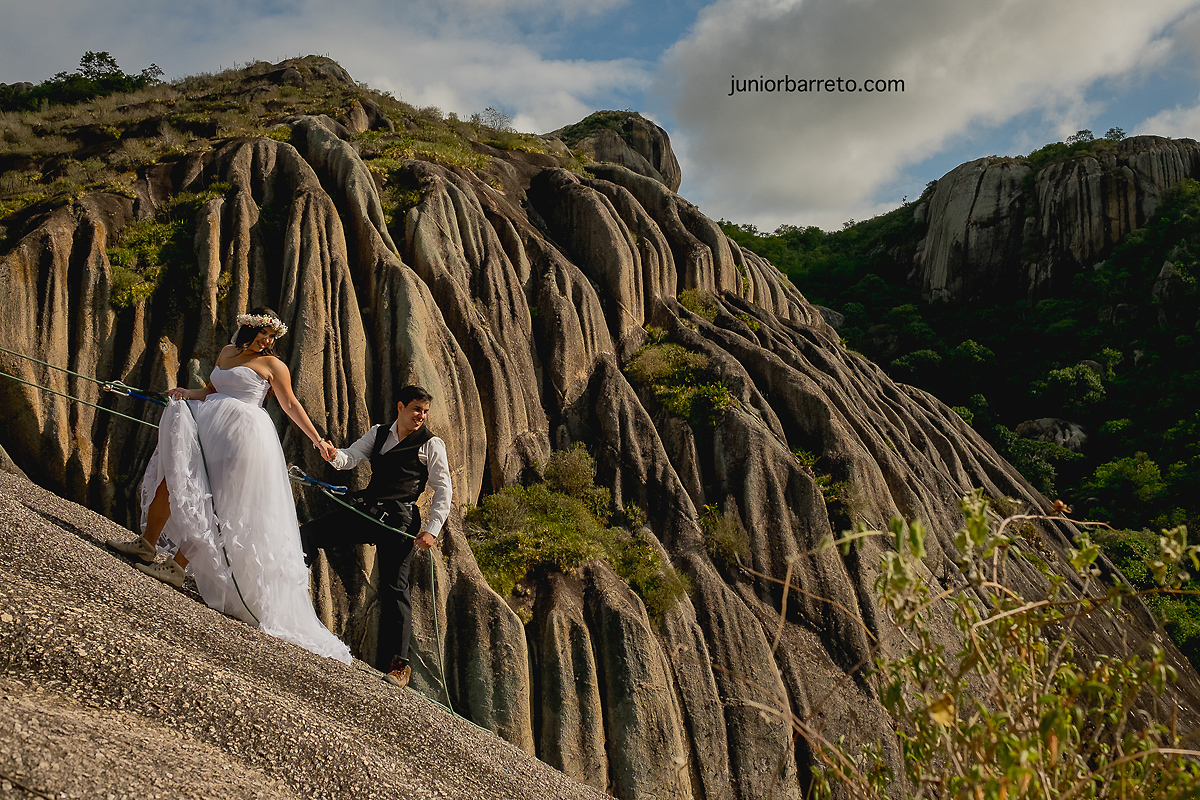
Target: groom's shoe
399, 677
139, 548
167, 572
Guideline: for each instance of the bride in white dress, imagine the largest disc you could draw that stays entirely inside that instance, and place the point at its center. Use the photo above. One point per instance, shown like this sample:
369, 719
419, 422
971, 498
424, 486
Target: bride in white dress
219, 453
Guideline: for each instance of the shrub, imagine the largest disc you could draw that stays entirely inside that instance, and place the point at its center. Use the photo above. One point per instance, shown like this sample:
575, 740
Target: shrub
1072, 389
496, 119
914, 365
725, 539
1128, 488
1134, 553
683, 381
699, 302
523, 531
573, 473
1018, 712
147, 250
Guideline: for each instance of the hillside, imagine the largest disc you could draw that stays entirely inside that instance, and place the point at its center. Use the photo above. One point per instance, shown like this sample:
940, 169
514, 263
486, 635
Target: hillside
1051, 300
117, 686
593, 342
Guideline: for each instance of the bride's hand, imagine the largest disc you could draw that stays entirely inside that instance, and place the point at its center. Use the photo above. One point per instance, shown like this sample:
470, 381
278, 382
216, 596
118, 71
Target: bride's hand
178, 393
328, 451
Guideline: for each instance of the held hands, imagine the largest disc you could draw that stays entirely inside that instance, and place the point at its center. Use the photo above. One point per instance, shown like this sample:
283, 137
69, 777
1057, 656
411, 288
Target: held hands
328, 451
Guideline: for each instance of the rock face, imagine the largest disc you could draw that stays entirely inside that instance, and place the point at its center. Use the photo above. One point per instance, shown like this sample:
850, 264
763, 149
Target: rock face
998, 231
517, 292
628, 139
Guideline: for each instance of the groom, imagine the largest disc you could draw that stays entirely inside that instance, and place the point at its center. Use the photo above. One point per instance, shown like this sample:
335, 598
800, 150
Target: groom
404, 456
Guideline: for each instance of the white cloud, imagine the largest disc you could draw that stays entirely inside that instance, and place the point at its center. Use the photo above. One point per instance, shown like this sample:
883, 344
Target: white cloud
461, 55
466, 76
819, 158
1178, 123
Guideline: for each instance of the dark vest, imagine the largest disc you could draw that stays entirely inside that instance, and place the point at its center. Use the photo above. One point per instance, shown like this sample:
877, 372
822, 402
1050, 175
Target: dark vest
397, 474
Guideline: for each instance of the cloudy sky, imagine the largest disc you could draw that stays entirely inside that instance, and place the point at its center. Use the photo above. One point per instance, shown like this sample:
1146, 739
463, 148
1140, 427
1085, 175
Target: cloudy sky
980, 77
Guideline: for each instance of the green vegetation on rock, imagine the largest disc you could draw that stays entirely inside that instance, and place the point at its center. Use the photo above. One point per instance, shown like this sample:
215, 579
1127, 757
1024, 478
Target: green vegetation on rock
594, 123
157, 252
1086, 356
128, 122
681, 380
1022, 711
98, 76
1114, 354
560, 524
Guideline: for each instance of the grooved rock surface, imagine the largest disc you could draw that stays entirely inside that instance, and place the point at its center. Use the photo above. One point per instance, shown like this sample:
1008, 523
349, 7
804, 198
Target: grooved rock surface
995, 231
517, 293
633, 142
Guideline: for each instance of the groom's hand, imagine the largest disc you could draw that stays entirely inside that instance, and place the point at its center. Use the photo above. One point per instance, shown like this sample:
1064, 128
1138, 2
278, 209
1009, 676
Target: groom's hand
426, 540
328, 451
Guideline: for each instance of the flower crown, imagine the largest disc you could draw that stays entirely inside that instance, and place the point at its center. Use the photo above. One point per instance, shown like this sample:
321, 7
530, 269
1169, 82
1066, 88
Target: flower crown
263, 321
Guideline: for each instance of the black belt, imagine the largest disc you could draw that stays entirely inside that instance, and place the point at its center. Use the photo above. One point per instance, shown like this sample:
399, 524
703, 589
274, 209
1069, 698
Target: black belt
395, 513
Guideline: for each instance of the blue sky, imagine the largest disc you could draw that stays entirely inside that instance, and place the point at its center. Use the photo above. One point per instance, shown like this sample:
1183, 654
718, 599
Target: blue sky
1001, 77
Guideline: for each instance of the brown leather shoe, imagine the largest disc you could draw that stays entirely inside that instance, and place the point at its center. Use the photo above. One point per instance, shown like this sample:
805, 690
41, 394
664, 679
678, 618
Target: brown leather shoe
399, 677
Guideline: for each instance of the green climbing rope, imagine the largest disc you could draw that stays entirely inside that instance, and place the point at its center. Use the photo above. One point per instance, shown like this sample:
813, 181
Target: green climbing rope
297, 475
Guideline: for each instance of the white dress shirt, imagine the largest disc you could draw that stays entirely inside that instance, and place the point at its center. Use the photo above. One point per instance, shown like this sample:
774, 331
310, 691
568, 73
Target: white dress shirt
432, 454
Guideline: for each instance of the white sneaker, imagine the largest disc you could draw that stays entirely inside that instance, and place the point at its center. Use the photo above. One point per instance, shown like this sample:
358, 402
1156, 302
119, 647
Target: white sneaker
165, 571
139, 548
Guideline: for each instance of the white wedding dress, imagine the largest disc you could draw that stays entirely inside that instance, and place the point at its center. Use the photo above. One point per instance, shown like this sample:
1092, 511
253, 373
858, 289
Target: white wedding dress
250, 565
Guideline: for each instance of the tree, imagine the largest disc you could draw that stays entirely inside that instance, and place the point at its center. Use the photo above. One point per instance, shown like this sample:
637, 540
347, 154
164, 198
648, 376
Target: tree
1114, 134
1071, 389
95, 66
1128, 489
496, 119
1081, 136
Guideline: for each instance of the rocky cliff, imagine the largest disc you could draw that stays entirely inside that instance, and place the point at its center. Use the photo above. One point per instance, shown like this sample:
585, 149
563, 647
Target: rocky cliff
1001, 228
517, 287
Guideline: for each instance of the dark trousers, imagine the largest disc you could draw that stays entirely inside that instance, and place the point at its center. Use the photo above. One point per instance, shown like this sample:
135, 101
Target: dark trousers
393, 554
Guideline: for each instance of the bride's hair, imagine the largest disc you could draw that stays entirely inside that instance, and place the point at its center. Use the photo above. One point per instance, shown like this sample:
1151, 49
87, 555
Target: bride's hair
246, 333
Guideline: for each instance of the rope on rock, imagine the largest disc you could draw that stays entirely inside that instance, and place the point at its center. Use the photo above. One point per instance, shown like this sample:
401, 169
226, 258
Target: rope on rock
295, 473
116, 387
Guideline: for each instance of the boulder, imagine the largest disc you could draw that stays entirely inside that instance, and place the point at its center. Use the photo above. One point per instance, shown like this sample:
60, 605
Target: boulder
628, 139
1061, 432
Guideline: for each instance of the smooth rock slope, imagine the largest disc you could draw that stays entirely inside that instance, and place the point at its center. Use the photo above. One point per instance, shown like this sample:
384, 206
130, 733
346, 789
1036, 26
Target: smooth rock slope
114, 685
